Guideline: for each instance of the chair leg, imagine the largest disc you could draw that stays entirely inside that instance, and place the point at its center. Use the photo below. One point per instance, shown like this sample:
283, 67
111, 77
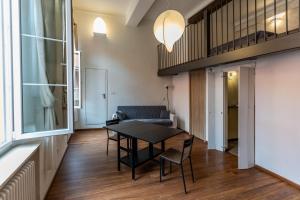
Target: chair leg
160, 170
170, 167
107, 143
182, 174
192, 169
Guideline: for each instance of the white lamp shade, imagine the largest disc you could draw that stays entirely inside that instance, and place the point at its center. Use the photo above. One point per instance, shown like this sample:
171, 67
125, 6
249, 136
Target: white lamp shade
168, 28
99, 26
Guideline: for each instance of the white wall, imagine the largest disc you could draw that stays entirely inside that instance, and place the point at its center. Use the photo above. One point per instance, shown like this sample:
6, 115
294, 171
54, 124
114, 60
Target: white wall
277, 115
129, 54
51, 152
181, 100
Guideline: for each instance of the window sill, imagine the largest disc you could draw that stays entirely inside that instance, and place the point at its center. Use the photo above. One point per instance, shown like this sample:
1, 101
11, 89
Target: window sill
13, 160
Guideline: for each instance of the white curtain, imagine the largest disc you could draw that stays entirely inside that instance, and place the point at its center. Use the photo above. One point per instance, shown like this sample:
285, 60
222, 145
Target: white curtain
46, 96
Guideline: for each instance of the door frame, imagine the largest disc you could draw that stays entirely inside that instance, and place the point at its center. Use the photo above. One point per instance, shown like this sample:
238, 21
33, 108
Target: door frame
84, 124
248, 159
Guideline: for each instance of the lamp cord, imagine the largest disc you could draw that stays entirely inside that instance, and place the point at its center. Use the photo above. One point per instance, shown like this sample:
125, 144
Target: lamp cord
168, 4
168, 98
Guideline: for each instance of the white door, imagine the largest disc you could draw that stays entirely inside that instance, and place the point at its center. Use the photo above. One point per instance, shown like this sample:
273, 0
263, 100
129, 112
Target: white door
210, 109
225, 110
246, 117
219, 111
95, 96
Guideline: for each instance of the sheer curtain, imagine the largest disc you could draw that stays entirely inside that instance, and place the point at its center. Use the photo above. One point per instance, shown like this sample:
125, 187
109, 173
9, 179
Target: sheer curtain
46, 96
47, 99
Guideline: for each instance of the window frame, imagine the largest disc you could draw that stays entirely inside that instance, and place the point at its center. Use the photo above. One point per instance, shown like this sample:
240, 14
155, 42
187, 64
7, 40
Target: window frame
77, 69
18, 133
6, 79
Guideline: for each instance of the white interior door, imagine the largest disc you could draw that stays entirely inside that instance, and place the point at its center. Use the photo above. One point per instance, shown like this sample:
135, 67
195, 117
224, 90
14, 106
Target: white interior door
219, 111
225, 110
210, 109
246, 118
95, 96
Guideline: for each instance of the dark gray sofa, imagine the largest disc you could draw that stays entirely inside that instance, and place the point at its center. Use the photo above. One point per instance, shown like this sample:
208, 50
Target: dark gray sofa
148, 114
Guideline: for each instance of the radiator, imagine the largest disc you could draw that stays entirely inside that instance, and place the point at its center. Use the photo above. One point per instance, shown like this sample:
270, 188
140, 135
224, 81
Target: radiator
22, 185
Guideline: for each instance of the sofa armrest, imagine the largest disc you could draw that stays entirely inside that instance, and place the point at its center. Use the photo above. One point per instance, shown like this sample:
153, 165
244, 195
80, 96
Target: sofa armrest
173, 118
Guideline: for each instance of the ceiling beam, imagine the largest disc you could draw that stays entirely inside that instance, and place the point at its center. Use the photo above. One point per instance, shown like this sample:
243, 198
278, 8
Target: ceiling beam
136, 11
197, 8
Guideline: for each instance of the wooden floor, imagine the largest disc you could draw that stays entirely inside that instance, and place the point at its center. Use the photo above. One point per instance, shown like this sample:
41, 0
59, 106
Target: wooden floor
87, 173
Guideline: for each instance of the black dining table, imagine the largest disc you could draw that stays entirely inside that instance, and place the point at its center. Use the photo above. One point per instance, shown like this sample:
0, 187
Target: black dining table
137, 130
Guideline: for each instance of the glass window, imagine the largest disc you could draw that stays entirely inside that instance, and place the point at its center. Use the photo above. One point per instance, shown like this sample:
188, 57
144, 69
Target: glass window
44, 65
2, 132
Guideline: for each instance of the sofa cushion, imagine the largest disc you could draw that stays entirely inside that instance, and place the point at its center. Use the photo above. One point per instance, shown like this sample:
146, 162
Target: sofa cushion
163, 122
164, 114
142, 112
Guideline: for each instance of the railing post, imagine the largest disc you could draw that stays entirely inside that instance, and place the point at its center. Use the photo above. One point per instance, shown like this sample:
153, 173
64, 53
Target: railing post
206, 31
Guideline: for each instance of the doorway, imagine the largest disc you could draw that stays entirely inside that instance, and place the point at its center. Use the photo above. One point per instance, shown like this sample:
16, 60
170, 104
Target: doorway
94, 110
230, 111
231, 90
95, 96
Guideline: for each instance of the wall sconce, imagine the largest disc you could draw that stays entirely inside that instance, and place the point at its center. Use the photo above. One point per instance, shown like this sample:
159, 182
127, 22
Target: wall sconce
99, 27
232, 74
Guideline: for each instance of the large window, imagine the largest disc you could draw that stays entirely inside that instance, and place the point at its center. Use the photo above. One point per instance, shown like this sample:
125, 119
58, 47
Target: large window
3, 33
2, 136
46, 66
36, 97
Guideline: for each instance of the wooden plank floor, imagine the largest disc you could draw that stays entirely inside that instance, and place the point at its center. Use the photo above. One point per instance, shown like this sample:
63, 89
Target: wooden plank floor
87, 173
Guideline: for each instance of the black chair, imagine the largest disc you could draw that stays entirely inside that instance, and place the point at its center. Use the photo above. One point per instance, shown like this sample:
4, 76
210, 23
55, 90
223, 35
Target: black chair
177, 157
112, 135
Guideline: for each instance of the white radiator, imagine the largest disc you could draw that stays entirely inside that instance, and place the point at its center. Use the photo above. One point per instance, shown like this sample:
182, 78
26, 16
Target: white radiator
22, 185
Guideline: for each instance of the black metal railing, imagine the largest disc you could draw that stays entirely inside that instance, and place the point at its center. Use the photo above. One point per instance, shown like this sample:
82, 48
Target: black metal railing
229, 25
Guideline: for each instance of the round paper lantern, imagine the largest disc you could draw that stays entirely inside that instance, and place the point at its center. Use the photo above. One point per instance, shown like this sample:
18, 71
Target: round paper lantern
168, 28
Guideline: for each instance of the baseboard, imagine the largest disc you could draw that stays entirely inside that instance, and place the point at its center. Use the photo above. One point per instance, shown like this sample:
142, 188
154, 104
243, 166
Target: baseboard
278, 176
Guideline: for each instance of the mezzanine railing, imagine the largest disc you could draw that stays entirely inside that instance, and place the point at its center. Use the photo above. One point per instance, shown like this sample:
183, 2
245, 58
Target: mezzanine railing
229, 25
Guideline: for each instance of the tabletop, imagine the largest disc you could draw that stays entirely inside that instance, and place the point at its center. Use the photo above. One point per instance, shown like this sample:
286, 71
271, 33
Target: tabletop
144, 131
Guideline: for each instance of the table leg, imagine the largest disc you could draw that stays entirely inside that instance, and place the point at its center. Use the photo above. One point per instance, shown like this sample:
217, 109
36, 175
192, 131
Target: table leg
128, 146
119, 153
163, 160
133, 157
150, 150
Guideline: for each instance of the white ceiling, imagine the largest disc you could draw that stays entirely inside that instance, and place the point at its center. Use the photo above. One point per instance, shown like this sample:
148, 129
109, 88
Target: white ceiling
186, 7
110, 7
135, 10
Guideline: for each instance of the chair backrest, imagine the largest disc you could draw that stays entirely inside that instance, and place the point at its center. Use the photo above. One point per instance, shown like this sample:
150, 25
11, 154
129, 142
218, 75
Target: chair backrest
112, 122
187, 148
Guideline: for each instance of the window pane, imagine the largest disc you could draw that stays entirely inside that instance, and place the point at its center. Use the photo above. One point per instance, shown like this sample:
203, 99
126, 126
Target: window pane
50, 13
2, 136
44, 76
45, 108
53, 60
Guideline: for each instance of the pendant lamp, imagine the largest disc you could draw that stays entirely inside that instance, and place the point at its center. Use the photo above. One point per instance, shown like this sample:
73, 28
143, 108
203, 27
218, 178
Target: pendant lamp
168, 28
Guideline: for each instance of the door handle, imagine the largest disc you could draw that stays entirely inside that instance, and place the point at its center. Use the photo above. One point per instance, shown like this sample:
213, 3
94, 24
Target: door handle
104, 96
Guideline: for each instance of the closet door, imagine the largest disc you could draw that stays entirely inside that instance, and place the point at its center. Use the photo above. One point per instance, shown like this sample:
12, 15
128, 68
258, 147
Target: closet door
197, 103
